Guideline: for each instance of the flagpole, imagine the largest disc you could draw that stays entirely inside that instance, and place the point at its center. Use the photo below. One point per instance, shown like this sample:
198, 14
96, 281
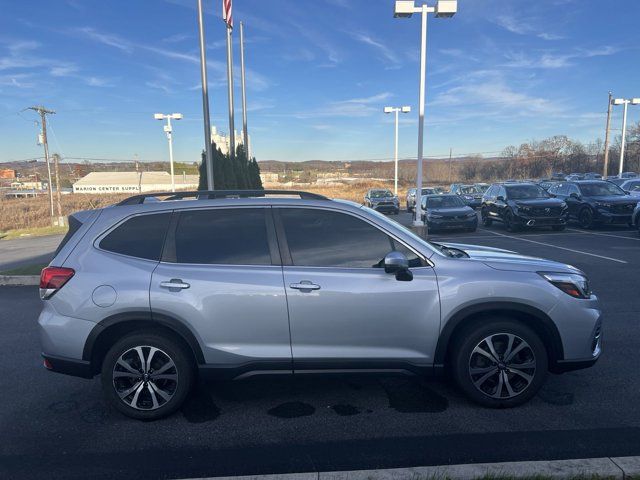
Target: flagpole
245, 133
205, 101
232, 133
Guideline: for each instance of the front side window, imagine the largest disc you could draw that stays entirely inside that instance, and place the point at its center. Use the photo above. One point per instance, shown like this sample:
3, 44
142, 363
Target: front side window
231, 236
141, 236
322, 238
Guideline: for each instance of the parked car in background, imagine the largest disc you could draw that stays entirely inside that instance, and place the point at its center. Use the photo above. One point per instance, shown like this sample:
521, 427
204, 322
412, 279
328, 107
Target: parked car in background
382, 200
632, 186
154, 295
520, 205
470, 194
557, 176
546, 184
636, 217
593, 202
482, 187
617, 180
411, 196
592, 176
447, 212
574, 176
629, 175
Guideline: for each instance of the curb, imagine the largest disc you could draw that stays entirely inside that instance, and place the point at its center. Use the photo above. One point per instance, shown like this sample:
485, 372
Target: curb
19, 280
594, 468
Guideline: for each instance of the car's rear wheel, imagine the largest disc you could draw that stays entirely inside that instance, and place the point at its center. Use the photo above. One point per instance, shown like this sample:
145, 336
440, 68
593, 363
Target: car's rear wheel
585, 218
499, 364
147, 375
484, 214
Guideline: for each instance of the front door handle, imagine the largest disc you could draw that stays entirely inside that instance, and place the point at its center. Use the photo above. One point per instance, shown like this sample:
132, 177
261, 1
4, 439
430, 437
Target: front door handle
304, 285
175, 283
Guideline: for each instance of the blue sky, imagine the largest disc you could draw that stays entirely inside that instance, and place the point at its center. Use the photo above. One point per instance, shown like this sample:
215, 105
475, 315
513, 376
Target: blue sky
320, 71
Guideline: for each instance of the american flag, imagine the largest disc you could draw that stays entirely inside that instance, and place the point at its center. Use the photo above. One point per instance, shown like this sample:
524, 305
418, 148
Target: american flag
227, 13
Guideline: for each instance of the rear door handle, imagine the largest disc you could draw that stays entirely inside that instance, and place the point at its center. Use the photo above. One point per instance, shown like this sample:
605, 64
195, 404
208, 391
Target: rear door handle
175, 283
304, 285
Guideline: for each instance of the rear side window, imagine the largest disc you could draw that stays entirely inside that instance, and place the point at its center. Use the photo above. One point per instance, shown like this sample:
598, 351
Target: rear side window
321, 238
141, 236
223, 237
74, 226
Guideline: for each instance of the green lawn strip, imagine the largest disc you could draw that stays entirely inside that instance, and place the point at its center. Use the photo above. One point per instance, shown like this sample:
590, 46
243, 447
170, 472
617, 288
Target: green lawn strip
32, 232
26, 270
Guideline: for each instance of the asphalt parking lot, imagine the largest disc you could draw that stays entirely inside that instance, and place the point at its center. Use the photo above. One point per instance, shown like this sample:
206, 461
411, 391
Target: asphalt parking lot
55, 426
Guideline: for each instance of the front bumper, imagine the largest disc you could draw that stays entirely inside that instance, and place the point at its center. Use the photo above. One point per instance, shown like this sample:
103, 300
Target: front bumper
451, 224
386, 208
603, 216
531, 221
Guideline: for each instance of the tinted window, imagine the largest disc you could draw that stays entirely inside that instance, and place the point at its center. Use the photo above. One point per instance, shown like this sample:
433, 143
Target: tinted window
320, 238
223, 236
516, 192
444, 201
141, 236
600, 189
571, 188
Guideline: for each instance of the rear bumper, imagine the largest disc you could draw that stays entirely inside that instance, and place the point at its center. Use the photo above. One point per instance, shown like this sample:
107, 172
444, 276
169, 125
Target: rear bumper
68, 366
563, 366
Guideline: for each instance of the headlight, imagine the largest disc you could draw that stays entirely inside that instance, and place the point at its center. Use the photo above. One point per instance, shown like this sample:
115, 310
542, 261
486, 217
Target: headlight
467, 197
434, 215
603, 205
524, 208
570, 283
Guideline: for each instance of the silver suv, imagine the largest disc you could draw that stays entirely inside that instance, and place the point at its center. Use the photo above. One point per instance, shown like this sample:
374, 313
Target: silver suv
160, 289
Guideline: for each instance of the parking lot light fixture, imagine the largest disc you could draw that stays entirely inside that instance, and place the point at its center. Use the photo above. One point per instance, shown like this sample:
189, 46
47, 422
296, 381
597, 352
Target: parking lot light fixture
625, 103
405, 9
168, 129
396, 110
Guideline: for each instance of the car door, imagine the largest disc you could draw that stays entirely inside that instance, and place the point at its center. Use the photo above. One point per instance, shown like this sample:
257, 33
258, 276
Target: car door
221, 276
344, 310
498, 205
574, 203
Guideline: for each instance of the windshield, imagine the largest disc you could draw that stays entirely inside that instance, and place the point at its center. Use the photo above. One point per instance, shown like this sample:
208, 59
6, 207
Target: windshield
445, 201
522, 192
482, 188
428, 191
631, 185
469, 189
600, 189
380, 194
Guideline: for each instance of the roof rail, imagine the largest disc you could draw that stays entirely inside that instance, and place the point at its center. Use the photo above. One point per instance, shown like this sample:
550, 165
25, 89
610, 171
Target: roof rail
212, 194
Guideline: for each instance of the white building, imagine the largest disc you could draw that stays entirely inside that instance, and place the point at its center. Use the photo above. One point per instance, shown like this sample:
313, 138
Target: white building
222, 141
133, 182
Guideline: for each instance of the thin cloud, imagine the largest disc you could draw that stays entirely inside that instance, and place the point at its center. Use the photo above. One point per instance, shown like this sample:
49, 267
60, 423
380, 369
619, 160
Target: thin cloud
385, 52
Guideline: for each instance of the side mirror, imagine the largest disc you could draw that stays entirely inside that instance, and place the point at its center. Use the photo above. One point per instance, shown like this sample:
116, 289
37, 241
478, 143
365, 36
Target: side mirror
627, 192
500, 198
398, 264
575, 195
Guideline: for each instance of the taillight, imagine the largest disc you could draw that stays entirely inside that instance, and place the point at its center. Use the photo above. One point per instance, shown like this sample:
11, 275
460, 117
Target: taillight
53, 279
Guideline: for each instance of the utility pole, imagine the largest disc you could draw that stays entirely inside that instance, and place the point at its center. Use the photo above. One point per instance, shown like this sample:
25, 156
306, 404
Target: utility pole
450, 164
56, 159
228, 19
245, 133
43, 112
205, 101
605, 171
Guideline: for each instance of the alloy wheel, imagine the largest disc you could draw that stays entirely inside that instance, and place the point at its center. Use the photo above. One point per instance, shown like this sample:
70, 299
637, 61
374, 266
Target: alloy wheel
586, 218
502, 365
145, 378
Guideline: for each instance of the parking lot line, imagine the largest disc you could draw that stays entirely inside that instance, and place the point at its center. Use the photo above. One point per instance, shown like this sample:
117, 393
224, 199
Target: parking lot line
636, 239
558, 247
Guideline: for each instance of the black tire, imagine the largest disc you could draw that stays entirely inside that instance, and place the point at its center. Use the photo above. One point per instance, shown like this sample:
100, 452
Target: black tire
558, 228
463, 359
177, 390
484, 214
585, 218
509, 223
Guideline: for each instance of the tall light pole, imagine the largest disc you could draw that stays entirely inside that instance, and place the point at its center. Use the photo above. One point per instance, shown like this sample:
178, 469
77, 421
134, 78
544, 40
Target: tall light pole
625, 102
205, 101
245, 133
168, 129
396, 110
405, 9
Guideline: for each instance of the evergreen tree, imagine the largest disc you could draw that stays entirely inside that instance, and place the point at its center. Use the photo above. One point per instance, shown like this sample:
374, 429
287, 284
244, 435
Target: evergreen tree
231, 173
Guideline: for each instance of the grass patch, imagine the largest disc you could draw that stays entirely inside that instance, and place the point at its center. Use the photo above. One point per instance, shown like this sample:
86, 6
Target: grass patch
32, 232
26, 270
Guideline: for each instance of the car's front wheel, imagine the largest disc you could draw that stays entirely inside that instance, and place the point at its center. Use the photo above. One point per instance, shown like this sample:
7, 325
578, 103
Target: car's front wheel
484, 214
146, 375
585, 218
498, 364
